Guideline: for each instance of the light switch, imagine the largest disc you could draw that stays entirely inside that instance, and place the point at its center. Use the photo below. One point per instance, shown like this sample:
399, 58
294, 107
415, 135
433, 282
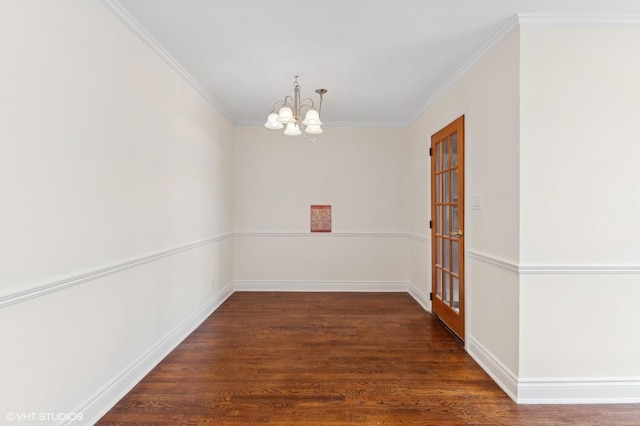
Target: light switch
476, 202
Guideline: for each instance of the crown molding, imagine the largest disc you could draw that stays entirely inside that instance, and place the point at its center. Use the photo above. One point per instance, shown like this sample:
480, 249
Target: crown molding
120, 12
511, 26
366, 124
573, 19
515, 22
530, 20
391, 124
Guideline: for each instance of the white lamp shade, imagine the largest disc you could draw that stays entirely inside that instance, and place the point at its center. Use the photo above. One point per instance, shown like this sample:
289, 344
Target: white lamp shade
312, 118
292, 130
272, 122
285, 115
313, 130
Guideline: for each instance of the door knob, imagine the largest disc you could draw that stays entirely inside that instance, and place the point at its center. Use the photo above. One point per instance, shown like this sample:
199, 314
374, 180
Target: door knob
457, 233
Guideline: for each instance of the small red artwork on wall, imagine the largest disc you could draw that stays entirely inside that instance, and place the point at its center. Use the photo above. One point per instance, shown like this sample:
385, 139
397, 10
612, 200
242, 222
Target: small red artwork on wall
320, 218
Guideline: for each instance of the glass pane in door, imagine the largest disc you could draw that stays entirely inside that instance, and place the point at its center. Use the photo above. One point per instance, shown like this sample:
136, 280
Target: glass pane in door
445, 154
454, 150
447, 289
455, 265
446, 194
445, 263
454, 218
456, 294
454, 185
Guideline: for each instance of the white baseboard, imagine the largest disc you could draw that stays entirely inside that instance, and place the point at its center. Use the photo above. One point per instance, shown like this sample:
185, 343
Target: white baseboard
494, 368
522, 391
100, 404
554, 390
322, 286
420, 297
579, 391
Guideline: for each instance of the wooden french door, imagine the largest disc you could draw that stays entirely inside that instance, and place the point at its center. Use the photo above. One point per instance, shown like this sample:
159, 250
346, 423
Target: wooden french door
447, 227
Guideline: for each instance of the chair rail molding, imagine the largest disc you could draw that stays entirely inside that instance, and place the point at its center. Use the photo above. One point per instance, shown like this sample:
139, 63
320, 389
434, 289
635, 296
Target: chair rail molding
43, 289
546, 269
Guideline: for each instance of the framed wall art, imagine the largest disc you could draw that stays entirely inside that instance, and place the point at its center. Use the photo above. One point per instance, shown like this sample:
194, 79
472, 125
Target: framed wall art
320, 218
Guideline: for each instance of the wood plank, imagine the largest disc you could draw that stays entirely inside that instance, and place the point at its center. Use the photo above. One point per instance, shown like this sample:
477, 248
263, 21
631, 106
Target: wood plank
331, 359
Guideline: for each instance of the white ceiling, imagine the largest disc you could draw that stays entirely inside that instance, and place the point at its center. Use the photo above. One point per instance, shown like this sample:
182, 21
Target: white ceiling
381, 60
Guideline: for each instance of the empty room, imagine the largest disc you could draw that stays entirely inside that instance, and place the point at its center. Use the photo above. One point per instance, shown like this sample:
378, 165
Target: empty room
340, 212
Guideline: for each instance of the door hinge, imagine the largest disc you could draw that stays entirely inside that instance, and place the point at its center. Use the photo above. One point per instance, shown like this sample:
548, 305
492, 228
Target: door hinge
430, 224
430, 296
430, 152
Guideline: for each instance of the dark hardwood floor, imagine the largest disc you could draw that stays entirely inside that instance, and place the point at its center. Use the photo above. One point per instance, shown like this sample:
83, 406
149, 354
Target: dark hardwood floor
332, 359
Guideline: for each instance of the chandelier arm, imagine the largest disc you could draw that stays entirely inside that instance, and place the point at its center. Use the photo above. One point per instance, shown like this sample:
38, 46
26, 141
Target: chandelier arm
320, 92
303, 104
276, 104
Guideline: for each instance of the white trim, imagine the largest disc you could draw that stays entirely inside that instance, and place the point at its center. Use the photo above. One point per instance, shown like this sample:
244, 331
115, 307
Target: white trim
337, 286
573, 19
555, 269
504, 377
554, 390
41, 290
322, 286
422, 238
517, 21
389, 124
481, 53
51, 287
99, 404
324, 234
420, 297
332, 124
579, 269
120, 12
579, 391
504, 264
528, 20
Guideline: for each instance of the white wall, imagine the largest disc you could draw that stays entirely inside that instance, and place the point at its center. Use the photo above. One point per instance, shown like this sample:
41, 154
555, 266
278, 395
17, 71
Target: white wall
131, 206
358, 171
487, 94
552, 267
579, 203
116, 188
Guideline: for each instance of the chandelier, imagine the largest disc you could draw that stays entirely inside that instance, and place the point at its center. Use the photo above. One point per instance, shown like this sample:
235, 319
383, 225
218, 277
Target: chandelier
290, 113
